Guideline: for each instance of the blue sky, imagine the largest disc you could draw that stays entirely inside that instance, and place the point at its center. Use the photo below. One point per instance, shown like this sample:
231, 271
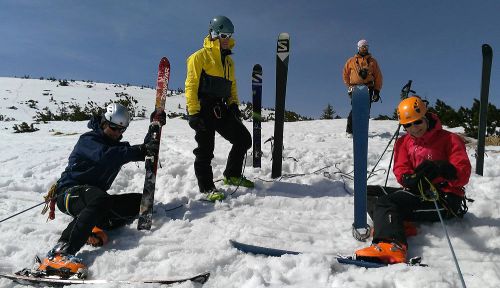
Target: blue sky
437, 44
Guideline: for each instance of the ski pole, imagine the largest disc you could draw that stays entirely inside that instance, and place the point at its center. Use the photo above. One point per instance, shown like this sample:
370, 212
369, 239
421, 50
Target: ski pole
385, 150
392, 156
451, 246
12, 216
404, 94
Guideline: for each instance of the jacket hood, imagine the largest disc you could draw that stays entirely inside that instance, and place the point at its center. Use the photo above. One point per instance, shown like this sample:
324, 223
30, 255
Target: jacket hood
207, 43
95, 125
434, 127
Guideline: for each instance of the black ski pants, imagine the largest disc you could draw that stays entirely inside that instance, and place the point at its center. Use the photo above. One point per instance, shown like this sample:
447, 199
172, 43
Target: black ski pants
231, 128
91, 206
393, 206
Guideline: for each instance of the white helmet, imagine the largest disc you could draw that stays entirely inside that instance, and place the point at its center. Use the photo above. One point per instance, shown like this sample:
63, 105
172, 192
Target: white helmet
362, 43
117, 114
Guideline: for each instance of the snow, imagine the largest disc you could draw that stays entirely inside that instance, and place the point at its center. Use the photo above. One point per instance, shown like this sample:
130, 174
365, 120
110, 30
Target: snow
312, 213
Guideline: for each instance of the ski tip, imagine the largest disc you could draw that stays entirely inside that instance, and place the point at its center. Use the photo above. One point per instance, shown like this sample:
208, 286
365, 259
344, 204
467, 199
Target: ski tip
284, 35
202, 278
257, 67
487, 46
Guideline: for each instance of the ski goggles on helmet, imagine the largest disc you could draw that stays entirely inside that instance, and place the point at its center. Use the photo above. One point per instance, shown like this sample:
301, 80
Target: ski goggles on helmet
221, 35
418, 122
225, 35
116, 127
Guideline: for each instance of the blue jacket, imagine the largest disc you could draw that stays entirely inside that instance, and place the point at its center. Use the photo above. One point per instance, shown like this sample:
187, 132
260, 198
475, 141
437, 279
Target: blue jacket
96, 159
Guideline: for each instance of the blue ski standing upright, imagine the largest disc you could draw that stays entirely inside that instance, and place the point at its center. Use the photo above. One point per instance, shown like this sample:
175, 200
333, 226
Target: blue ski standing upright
360, 118
151, 163
282, 53
257, 114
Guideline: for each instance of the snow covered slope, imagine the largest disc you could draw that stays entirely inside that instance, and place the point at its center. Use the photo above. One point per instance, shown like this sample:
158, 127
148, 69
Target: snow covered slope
311, 213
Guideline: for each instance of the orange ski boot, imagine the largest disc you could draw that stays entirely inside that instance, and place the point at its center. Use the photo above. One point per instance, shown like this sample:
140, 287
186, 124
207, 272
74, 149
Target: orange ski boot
383, 252
62, 264
98, 237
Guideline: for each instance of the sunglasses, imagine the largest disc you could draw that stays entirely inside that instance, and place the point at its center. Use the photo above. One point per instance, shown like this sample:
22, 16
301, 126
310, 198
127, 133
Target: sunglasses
225, 35
115, 127
418, 122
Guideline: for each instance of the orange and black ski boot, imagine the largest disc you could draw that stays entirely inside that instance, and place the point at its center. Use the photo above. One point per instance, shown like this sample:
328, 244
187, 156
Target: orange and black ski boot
62, 264
98, 237
383, 252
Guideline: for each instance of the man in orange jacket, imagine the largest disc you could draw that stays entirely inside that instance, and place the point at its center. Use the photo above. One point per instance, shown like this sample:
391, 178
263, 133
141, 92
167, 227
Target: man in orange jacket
431, 164
362, 69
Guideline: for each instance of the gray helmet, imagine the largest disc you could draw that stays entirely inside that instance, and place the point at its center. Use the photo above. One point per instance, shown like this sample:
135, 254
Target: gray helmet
117, 114
221, 24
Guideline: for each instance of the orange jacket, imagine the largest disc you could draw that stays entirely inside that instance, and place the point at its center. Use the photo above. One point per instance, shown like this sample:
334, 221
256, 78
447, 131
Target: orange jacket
355, 64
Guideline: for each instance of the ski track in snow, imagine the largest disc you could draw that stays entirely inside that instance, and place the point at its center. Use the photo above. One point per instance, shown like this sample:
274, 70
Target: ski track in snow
309, 213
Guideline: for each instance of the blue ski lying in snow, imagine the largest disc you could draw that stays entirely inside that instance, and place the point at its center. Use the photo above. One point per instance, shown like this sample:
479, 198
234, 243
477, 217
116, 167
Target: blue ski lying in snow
266, 251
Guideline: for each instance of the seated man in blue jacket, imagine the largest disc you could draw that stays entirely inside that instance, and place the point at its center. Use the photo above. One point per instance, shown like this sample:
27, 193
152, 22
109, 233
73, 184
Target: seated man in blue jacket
92, 167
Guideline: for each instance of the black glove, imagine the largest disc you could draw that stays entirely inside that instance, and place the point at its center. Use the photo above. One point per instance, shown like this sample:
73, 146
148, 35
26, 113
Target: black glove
197, 123
417, 184
162, 117
151, 148
376, 95
429, 169
235, 110
411, 181
446, 169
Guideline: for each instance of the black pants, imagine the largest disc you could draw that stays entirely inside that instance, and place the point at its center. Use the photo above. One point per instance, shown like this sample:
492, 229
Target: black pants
90, 206
393, 206
348, 129
229, 127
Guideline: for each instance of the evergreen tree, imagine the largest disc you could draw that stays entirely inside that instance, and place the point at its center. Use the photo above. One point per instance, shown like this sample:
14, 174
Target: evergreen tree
470, 119
328, 112
448, 115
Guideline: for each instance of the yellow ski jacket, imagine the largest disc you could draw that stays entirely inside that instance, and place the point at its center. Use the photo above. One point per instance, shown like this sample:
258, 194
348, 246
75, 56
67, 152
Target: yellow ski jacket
209, 60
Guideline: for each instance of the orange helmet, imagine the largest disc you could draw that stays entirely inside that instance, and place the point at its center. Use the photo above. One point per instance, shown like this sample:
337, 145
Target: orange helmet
411, 109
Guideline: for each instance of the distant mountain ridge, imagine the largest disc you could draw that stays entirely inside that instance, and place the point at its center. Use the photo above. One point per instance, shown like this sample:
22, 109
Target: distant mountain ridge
40, 100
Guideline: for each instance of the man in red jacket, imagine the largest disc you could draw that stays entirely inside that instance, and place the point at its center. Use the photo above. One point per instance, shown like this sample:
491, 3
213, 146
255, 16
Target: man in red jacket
427, 157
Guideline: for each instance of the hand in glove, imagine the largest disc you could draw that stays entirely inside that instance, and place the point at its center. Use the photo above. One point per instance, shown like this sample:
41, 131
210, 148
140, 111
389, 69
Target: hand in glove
411, 181
197, 123
151, 148
235, 110
429, 169
349, 91
376, 95
162, 117
416, 183
446, 169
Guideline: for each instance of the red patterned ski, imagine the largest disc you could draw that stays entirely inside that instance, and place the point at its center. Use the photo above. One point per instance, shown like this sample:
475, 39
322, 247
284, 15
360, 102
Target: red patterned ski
151, 162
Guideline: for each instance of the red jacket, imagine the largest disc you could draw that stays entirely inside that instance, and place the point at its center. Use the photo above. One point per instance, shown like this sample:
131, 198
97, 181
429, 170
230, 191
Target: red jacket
435, 144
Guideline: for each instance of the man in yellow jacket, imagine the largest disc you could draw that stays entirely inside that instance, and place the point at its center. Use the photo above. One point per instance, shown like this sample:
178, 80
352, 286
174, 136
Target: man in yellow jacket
362, 69
212, 104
